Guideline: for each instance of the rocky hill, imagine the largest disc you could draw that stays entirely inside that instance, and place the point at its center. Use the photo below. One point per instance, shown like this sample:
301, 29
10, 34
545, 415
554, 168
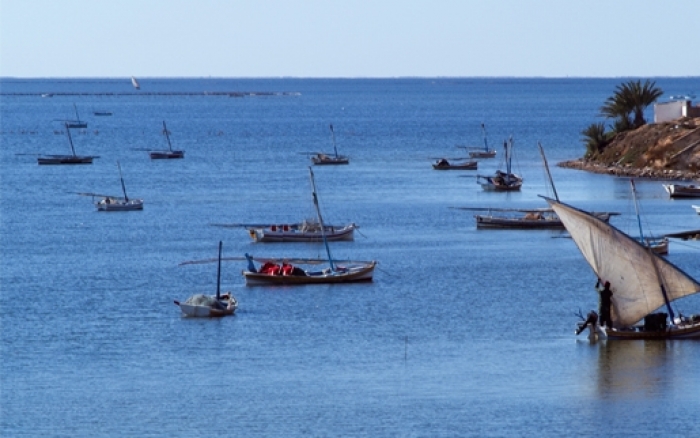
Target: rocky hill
669, 150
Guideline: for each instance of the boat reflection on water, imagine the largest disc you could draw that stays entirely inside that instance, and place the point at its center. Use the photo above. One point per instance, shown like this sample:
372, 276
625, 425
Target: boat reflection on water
635, 369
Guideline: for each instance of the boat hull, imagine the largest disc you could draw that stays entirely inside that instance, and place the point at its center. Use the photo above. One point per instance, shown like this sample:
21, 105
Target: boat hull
518, 223
68, 159
354, 274
320, 160
472, 165
166, 155
266, 235
482, 154
682, 191
131, 205
691, 331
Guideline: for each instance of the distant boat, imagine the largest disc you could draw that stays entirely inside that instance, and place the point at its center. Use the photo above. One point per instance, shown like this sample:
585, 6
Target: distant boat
135, 83
102, 113
682, 191
77, 123
116, 203
486, 152
502, 181
444, 164
170, 153
66, 159
658, 245
696, 208
321, 158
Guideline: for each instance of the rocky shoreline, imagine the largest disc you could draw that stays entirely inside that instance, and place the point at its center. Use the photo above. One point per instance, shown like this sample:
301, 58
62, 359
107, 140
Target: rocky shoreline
628, 171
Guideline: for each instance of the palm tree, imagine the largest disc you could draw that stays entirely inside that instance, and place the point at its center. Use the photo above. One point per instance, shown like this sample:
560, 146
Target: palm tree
628, 103
595, 138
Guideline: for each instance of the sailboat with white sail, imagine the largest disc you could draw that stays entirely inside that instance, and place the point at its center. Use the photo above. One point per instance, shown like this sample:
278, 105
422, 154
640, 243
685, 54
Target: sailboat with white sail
135, 83
643, 283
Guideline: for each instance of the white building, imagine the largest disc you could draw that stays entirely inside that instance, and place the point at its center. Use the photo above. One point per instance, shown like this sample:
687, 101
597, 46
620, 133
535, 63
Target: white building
675, 109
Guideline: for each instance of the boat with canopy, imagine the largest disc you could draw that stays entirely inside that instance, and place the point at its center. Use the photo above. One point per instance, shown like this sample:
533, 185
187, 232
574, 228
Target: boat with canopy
643, 283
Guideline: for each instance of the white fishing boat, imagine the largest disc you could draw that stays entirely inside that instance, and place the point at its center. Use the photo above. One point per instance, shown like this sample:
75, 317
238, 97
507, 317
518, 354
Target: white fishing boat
682, 191
485, 152
116, 203
322, 158
276, 271
643, 283
170, 153
201, 305
135, 83
66, 159
502, 181
696, 208
306, 231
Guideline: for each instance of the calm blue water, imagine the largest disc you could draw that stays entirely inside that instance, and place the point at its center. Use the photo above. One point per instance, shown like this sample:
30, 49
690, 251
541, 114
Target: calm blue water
462, 333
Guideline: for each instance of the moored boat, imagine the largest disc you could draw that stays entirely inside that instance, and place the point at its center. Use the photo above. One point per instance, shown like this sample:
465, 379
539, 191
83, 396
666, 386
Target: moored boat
166, 154
444, 164
306, 231
485, 152
276, 271
322, 159
682, 191
502, 181
66, 159
200, 305
116, 203
696, 208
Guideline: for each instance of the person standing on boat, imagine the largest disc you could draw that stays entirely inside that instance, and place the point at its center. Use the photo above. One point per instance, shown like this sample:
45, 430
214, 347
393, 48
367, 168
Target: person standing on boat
605, 303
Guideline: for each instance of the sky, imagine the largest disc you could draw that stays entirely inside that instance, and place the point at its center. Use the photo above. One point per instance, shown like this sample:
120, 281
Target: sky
349, 38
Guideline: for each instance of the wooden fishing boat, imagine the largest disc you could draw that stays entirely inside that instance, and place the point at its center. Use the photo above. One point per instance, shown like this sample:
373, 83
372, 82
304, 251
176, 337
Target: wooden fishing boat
306, 231
682, 191
525, 219
281, 270
200, 305
322, 159
444, 164
77, 123
485, 152
170, 153
66, 159
116, 203
502, 181
642, 282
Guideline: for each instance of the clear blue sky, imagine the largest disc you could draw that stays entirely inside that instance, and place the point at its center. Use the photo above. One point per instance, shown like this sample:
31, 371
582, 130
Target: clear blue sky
348, 38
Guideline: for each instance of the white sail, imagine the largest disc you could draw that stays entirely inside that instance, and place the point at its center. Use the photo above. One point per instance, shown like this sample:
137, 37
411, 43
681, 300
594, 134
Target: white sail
630, 267
135, 83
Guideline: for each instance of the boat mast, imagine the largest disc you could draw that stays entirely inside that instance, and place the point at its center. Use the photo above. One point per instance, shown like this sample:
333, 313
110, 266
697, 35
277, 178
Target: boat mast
126, 198
486, 143
218, 274
651, 254
76, 113
70, 139
546, 167
333, 137
167, 136
320, 219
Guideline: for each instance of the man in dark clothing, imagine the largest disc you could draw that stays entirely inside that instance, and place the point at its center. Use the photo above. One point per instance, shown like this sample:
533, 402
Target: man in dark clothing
605, 304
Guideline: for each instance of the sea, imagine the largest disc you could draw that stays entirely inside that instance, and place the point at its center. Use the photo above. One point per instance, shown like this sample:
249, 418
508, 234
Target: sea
463, 332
